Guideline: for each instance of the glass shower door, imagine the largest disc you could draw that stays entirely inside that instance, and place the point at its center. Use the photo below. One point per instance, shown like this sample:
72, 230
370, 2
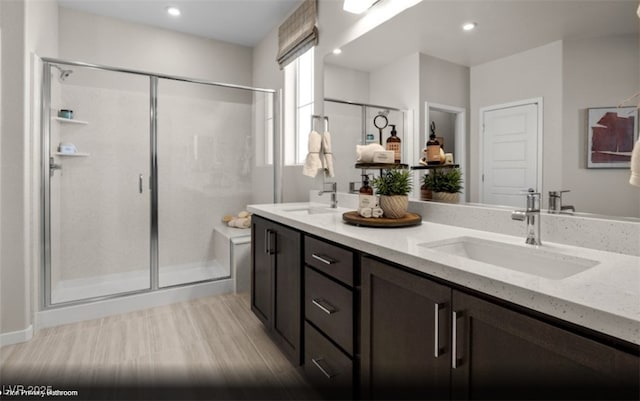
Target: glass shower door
99, 169
204, 172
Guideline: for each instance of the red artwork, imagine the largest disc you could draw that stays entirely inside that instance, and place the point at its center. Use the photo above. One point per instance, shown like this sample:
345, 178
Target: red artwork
612, 138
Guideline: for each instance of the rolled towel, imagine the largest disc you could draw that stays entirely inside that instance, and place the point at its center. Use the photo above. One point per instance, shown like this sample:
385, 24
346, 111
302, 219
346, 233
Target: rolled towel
364, 153
364, 212
313, 163
326, 152
635, 165
377, 212
244, 222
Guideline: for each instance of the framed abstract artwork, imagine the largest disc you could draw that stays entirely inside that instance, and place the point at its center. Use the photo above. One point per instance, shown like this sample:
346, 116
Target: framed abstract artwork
612, 131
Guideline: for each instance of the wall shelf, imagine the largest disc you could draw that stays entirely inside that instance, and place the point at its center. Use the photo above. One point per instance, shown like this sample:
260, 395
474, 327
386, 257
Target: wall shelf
435, 166
71, 121
77, 154
385, 166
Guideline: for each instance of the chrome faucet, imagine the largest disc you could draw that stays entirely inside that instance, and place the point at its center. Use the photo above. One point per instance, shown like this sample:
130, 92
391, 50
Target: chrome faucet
555, 203
532, 215
333, 190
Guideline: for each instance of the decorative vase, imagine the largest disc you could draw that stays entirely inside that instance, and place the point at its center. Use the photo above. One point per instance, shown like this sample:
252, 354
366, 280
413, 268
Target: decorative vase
394, 207
446, 197
425, 193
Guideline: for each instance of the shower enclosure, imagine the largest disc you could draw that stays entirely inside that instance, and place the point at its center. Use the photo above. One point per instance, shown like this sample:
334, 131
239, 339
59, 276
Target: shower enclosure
136, 182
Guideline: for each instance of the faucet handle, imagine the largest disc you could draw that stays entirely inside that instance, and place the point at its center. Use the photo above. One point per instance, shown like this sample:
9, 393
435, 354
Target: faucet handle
529, 192
333, 186
558, 193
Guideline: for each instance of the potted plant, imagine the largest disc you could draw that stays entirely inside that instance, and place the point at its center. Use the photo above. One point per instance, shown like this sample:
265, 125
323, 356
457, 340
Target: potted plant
394, 186
445, 183
426, 192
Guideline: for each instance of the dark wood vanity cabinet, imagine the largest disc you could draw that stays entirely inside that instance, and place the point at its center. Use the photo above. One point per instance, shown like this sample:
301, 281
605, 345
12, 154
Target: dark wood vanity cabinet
276, 288
504, 354
366, 328
405, 344
425, 340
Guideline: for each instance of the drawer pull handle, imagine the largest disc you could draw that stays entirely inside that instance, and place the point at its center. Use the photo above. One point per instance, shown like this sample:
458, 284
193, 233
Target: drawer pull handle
328, 309
323, 370
322, 259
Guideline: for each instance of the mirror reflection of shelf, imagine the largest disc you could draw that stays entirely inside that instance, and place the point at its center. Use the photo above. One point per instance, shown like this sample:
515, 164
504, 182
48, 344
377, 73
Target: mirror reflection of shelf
435, 166
385, 166
70, 121
77, 154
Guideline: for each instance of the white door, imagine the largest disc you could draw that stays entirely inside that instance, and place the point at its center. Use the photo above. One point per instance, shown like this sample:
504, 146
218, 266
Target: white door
510, 154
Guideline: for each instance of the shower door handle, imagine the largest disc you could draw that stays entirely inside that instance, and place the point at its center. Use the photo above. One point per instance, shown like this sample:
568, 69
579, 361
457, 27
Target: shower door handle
53, 166
140, 178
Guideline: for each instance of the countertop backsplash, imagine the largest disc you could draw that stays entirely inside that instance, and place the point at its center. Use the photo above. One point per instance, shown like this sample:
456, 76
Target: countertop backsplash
595, 233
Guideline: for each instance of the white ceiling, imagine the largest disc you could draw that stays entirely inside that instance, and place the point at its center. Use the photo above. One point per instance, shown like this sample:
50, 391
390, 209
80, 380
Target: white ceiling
504, 28
244, 22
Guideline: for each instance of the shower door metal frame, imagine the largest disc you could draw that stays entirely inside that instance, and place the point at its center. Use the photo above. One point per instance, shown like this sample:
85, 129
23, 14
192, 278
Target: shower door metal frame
45, 127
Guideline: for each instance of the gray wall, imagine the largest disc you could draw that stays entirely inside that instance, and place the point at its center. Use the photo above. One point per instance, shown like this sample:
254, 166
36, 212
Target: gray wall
32, 27
14, 277
346, 84
598, 72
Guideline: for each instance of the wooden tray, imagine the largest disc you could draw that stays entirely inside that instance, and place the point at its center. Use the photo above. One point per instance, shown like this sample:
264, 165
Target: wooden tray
409, 219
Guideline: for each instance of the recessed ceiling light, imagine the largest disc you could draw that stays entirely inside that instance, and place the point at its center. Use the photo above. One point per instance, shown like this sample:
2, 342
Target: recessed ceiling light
469, 26
173, 11
337, 51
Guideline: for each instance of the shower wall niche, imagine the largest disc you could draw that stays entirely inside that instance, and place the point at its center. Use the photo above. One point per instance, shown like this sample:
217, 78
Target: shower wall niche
138, 180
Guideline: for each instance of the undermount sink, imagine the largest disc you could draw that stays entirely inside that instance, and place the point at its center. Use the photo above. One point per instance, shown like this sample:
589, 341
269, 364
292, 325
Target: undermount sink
536, 261
313, 210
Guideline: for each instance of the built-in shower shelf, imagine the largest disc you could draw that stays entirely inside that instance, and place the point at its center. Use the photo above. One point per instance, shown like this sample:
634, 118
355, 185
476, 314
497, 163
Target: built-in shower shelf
77, 154
71, 121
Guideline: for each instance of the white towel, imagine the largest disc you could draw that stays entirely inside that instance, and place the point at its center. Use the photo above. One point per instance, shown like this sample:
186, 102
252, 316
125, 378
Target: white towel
313, 163
635, 165
364, 153
327, 155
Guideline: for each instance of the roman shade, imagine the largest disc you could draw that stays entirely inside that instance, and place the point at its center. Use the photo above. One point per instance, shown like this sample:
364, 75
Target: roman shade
298, 33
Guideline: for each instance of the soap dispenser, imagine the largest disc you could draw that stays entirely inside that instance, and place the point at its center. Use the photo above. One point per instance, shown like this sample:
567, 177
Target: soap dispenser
366, 197
394, 144
433, 147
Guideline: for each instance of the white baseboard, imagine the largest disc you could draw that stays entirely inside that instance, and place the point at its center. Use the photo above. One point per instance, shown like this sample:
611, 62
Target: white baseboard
15, 337
99, 309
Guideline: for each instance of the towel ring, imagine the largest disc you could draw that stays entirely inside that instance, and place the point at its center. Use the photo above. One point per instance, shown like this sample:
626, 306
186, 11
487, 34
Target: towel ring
382, 125
318, 117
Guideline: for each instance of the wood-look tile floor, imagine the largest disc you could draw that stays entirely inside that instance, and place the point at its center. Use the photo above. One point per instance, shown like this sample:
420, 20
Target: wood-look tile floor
209, 348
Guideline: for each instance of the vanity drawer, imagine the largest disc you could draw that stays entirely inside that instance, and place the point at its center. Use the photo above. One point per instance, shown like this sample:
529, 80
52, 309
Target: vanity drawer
330, 259
326, 367
329, 306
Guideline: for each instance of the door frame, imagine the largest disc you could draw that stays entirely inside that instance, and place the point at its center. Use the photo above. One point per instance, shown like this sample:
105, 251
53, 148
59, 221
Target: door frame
460, 148
538, 101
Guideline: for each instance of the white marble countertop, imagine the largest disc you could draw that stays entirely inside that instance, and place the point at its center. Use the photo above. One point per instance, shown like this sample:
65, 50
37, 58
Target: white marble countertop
605, 298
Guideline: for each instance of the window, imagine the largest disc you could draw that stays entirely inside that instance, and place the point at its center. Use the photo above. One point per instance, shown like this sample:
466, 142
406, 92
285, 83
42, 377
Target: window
298, 107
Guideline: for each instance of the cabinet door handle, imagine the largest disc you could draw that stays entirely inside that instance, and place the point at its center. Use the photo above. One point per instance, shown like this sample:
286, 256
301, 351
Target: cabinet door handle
268, 246
454, 341
323, 370
436, 330
323, 259
328, 309
140, 183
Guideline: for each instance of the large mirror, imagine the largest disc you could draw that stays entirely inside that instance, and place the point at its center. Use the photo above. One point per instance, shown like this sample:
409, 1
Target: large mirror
555, 64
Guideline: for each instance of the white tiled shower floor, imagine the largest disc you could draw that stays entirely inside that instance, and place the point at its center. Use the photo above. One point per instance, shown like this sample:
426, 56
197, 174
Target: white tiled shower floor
97, 286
